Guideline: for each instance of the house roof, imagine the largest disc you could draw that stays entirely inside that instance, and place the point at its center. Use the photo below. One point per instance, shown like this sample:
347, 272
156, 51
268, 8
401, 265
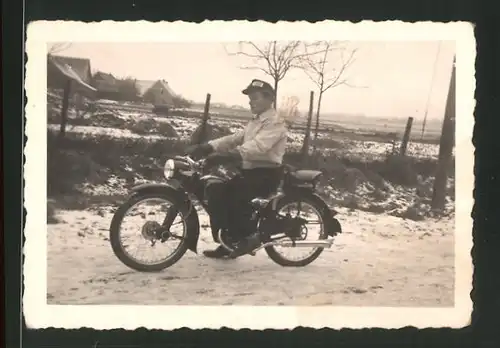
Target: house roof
167, 87
81, 66
109, 78
105, 82
145, 85
59, 72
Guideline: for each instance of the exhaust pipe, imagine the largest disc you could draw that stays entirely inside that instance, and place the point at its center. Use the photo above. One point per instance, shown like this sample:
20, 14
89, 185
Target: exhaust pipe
304, 243
325, 243
297, 244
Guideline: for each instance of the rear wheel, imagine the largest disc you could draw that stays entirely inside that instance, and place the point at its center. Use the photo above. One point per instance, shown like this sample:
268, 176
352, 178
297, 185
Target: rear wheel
144, 217
303, 207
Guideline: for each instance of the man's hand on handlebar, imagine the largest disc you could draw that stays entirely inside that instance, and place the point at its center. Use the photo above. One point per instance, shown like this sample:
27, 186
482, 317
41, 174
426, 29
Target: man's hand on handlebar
197, 165
199, 151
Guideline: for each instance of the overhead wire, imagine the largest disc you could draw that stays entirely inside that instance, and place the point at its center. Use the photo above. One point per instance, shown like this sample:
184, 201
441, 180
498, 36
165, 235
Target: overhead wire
430, 90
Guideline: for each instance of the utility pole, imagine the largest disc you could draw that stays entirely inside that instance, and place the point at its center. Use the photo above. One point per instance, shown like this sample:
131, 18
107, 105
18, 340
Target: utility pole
445, 147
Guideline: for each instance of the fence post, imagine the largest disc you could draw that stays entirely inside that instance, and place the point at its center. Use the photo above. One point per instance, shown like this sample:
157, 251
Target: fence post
445, 148
406, 137
204, 120
64, 109
307, 137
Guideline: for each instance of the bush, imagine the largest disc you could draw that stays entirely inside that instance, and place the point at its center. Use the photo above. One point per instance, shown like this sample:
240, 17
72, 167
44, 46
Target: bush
109, 119
326, 143
399, 170
395, 169
127, 89
181, 102
93, 158
54, 117
151, 126
68, 168
161, 110
82, 158
106, 119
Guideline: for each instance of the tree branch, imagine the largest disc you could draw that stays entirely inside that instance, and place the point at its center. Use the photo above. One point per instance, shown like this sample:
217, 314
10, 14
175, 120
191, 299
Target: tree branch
256, 68
318, 70
273, 59
345, 65
59, 47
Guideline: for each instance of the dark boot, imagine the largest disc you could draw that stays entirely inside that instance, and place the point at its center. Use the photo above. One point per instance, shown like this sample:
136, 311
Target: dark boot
218, 253
246, 246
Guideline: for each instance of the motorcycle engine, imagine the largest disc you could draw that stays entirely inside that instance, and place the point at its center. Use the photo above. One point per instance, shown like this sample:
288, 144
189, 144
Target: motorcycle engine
290, 226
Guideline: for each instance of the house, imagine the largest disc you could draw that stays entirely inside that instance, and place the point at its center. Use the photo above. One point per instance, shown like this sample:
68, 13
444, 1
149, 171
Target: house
63, 70
73, 77
79, 67
106, 85
157, 92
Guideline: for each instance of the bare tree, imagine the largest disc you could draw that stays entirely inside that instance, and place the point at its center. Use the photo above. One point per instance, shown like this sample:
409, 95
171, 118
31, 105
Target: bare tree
273, 58
58, 47
326, 72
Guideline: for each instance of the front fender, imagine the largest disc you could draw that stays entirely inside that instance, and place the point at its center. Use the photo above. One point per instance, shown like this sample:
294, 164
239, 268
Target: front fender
175, 189
332, 225
169, 185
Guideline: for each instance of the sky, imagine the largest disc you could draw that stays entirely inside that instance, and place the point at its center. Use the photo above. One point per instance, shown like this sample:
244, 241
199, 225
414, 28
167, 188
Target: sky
391, 79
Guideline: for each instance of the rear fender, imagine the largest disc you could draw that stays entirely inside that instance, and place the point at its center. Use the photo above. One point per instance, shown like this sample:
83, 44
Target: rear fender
332, 225
175, 189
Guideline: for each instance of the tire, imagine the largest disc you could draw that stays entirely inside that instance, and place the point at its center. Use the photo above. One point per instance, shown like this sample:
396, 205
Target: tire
117, 247
276, 256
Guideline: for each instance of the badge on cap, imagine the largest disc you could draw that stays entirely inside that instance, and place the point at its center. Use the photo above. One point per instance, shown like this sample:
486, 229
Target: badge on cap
257, 83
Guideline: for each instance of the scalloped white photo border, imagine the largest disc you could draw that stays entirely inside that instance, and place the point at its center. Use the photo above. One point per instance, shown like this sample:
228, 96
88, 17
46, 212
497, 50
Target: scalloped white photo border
38, 314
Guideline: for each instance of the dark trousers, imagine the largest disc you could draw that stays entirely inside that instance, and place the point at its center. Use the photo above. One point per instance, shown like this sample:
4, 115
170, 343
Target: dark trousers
229, 203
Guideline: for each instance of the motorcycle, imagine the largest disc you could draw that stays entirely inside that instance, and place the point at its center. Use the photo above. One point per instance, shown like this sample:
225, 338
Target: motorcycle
188, 182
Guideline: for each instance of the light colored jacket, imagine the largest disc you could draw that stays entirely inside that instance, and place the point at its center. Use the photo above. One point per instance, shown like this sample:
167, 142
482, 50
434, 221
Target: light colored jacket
261, 144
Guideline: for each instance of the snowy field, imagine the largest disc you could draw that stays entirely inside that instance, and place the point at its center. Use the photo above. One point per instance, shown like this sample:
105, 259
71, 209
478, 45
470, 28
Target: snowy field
381, 259
185, 126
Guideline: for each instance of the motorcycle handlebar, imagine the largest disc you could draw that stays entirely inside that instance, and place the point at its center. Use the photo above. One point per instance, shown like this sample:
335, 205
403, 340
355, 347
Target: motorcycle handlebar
197, 165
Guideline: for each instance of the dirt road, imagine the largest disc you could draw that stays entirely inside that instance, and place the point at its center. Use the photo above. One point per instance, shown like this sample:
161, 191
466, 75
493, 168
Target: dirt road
379, 261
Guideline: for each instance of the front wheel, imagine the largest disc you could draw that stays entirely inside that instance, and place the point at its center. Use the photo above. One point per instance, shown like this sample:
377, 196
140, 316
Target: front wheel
302, 207
146, 220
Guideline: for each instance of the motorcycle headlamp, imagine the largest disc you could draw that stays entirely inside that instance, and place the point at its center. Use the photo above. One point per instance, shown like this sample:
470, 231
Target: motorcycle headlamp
168, 169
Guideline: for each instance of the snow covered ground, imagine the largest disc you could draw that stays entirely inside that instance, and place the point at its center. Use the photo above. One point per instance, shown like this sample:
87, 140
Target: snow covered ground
379, 261
185, 126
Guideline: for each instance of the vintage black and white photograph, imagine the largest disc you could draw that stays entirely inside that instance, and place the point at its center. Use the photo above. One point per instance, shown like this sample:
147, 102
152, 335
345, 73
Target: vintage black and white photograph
249, 170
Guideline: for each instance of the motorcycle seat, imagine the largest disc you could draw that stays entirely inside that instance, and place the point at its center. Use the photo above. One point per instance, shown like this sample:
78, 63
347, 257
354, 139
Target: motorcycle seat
302, 176
305, 175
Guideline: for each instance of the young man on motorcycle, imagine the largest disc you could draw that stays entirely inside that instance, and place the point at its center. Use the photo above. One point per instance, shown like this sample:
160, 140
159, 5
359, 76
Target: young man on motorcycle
259, 150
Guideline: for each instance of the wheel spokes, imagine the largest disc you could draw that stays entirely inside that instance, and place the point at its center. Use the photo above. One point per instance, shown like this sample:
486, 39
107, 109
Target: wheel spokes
306, 209
155, 235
